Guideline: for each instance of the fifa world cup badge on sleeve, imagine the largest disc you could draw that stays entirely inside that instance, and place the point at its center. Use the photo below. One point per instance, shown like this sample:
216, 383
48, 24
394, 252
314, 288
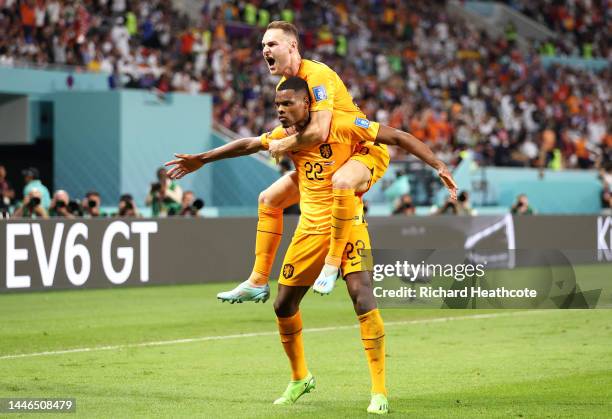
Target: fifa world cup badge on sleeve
362, 122
319, 93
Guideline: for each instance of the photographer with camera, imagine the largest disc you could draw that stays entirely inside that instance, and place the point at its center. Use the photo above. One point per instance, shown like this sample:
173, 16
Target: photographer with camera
60, 205
31, 180
91, 205
404, 206
521, 206
190, 206
165, 196
31, 207
461, 206
127, 207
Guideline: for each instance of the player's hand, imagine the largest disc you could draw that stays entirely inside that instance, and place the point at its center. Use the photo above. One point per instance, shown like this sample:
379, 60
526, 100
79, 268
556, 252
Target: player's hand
449, 182
276, 149
183, 165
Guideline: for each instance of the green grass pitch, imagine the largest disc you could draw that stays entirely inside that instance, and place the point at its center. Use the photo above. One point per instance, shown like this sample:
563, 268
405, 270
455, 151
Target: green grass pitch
488, 364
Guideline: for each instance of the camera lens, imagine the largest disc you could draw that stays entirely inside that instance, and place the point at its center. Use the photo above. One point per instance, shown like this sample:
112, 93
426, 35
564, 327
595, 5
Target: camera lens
35, 201
92, 203
198, 204
74, 207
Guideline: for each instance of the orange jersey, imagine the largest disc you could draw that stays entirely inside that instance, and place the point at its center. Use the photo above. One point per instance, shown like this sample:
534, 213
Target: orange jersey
315, 167
327, 90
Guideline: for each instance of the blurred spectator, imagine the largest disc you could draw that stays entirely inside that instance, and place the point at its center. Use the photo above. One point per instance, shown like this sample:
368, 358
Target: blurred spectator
7, 194
92, 205
190, 206
127, 207
59, 205
32, 181
521, 207
461, 206
464, 207
404, 206
31, 207
164, 196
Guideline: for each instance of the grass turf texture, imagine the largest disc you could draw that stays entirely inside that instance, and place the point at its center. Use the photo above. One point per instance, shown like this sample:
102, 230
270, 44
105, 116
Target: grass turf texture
532, 364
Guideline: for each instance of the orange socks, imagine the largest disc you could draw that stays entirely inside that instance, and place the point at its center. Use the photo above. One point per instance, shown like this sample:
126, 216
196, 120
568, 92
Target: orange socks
268, 238
343, 211
373, 338
290, 329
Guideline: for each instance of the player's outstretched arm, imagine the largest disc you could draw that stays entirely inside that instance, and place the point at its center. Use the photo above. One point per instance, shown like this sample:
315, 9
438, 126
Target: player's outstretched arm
413, 145
187, 163
315, 132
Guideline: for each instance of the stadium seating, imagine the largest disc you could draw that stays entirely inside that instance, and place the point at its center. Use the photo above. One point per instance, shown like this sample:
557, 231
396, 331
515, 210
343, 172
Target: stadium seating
422, 69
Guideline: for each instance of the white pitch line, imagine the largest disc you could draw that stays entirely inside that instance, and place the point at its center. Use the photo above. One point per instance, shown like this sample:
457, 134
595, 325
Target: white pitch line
261, 334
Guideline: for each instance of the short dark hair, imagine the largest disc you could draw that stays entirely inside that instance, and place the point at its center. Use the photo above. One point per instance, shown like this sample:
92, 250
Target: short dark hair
294, 83
286, 27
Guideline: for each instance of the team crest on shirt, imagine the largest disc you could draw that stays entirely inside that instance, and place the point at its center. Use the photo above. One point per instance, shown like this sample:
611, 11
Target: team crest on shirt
362, 122
326, 151
287, 271
319, 93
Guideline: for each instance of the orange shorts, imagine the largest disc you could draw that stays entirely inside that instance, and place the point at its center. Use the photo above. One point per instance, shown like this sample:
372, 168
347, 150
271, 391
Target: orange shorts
305, 256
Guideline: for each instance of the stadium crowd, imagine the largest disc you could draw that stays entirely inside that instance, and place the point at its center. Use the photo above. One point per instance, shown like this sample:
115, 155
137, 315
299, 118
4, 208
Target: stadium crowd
583, 26
414, 68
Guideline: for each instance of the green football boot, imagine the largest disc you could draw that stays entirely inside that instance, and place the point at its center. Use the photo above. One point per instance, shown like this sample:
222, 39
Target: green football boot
296, 389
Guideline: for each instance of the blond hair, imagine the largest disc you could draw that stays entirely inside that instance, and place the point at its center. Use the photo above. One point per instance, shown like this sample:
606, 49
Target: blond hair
286, 27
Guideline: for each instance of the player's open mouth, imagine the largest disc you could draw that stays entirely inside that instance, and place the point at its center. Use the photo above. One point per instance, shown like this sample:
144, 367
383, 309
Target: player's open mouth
270, 61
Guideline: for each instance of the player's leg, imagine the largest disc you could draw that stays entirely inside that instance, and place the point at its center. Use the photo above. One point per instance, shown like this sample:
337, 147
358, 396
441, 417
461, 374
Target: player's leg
278, 196
289, 320
356, 176
357, 266
281, 194
352, 177
359, 285
302, 262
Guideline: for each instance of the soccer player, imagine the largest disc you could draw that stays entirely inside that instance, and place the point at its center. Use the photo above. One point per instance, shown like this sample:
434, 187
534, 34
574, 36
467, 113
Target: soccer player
315, 169
330, 95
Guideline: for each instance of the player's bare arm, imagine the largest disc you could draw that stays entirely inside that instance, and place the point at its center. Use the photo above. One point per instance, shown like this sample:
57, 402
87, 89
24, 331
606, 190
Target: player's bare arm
187, 163
413, 145
315, 132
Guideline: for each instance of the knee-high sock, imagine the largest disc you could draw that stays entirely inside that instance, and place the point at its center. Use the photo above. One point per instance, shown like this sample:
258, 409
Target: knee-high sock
373, 338
343, 212
290, 329
267, 240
